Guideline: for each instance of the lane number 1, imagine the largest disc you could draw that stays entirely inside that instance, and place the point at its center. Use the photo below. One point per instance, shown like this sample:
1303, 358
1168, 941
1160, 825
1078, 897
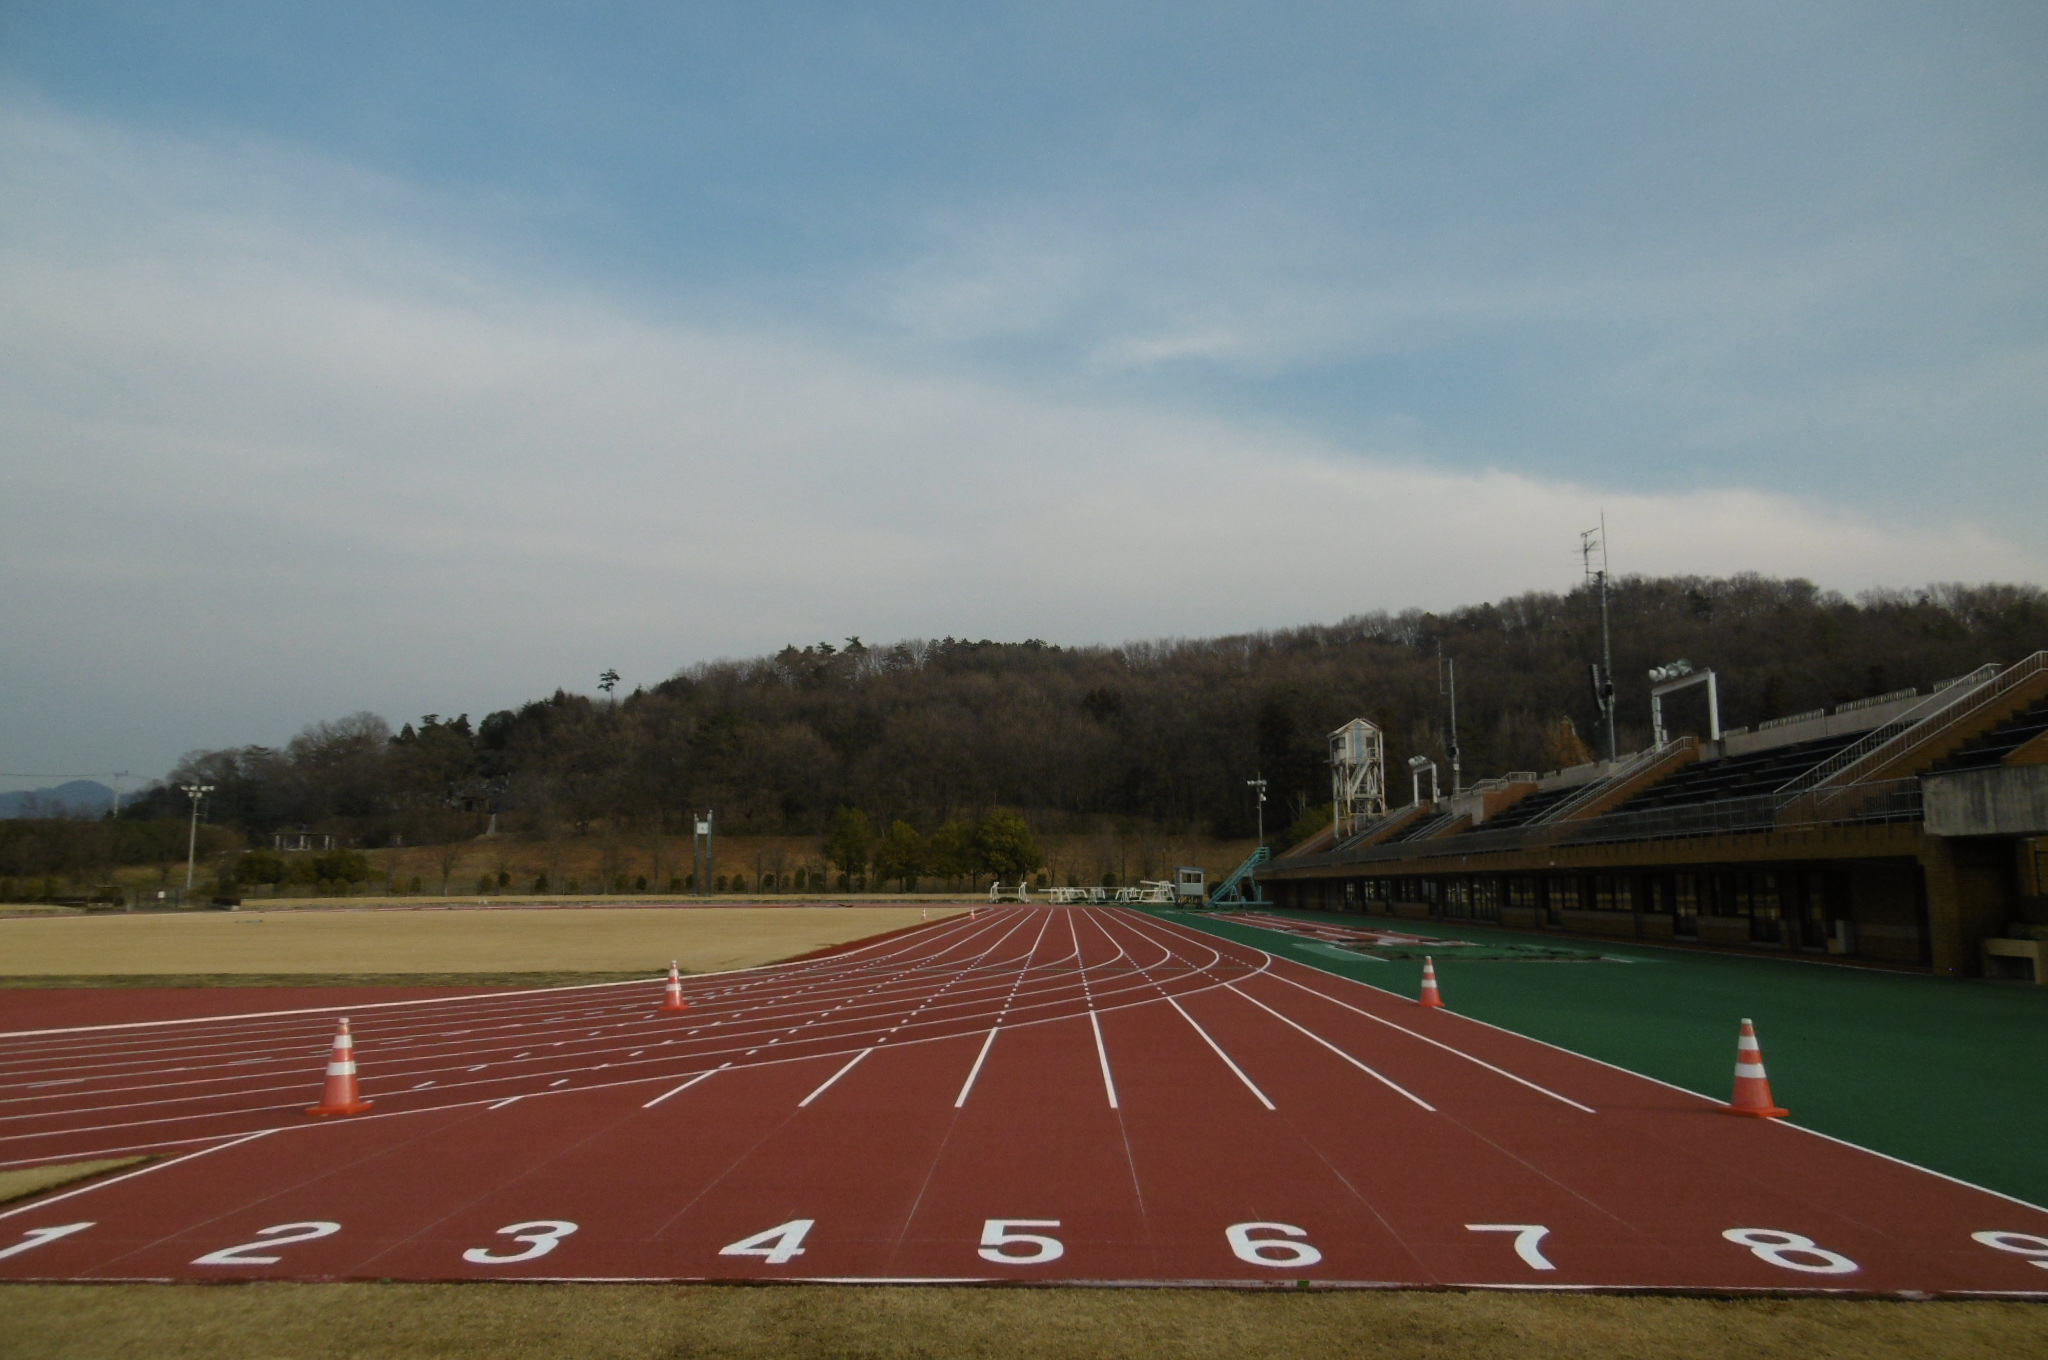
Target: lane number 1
35, 1237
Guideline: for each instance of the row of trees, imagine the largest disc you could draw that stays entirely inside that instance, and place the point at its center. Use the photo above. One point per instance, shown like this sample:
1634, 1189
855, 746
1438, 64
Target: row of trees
932, 735
1000, 844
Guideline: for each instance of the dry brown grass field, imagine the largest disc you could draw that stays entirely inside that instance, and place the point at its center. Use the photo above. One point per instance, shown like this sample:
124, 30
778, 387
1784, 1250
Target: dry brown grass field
657, 1322
404, 942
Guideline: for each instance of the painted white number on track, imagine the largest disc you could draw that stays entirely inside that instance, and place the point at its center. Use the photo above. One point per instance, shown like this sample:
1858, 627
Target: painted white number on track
1528, 1241
541, 1236
778, 1246
2035, 1249
275, 1236
35, 1237
1786, 1250
1278, 1250
997, 1233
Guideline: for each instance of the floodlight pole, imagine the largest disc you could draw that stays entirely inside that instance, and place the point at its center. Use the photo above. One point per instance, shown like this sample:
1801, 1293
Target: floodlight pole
1604, 691
1259, 785
195, 792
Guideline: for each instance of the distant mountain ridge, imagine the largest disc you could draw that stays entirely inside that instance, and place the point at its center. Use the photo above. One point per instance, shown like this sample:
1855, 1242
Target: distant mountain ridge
87, 796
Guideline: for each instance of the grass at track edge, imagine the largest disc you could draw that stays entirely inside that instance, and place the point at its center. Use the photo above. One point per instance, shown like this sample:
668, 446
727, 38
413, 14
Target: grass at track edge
654, 1322
35, 1180
1950, 1075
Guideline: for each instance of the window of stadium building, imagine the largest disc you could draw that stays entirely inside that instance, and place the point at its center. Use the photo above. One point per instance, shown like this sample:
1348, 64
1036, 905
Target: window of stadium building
1685, 905
1613, 892
1522, 893
1486, 899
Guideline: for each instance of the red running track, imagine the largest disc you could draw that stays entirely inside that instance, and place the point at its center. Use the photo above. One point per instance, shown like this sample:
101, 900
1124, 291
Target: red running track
1032, 1095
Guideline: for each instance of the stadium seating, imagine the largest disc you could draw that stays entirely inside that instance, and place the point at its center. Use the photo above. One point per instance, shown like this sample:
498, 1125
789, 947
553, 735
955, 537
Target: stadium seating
1743, 776
1994, 746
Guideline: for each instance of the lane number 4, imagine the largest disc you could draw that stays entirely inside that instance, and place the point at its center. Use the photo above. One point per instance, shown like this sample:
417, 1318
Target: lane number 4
777, 1246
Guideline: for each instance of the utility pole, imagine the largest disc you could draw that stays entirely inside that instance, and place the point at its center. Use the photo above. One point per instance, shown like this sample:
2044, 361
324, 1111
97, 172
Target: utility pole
1447, 670
1259, 785
703, 863
1603, 674
117, 776
195, 792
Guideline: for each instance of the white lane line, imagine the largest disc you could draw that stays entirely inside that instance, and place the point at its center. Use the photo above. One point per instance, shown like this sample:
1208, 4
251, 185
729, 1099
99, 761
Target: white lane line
1445, 1047
1391, 1086
975, 1071
1221, 1054
501, 1104
684, 1087
834, 1077
1102, 1056
45, 1202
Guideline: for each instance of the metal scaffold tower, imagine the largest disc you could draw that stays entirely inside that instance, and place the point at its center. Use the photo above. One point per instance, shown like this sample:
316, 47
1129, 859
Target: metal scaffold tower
1358, 775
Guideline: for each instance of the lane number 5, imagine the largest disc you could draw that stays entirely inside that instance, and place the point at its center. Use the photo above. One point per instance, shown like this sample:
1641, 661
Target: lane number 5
998, 1235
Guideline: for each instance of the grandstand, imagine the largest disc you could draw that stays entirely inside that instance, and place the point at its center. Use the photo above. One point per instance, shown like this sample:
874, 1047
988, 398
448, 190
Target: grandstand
1903, 830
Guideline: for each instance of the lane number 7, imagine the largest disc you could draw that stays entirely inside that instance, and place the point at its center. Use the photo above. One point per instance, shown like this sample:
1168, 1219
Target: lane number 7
1528, 1240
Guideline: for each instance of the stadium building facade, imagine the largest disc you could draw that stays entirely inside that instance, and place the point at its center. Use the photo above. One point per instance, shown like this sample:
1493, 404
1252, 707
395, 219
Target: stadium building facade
1906, 830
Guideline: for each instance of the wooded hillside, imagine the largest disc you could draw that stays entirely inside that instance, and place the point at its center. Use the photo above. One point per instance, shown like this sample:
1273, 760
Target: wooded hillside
1164, 733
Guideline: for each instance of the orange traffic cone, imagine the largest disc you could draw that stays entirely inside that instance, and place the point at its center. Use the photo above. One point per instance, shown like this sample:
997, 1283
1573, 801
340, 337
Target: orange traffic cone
1430, 995
672, 995
1752, 1087
340, 1095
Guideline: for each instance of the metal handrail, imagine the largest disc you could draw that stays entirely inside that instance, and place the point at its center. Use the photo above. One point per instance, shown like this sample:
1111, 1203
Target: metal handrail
1942, 701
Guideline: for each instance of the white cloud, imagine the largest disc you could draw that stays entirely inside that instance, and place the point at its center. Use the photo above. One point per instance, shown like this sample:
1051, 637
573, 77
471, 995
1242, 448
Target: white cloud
262, 475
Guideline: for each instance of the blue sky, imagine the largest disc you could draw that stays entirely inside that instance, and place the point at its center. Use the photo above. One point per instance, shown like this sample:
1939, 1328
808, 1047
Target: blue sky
421, 358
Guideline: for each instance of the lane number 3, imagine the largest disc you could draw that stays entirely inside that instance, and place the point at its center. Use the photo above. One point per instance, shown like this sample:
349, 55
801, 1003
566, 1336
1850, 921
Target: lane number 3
541, 1236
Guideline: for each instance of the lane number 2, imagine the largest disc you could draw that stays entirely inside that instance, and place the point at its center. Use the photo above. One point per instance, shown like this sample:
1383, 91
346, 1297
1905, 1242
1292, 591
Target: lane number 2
998, 1235
777, 1246
2035, 1249
1279, 1248
1528, 1241
541, 1236
35, 1237
1790, 1251
277, 1235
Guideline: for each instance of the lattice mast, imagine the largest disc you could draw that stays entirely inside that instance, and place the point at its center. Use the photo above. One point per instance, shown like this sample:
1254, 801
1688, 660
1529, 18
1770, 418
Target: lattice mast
1358, 775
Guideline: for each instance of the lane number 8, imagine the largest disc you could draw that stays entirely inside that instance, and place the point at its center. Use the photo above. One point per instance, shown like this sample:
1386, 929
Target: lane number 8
1790, 1251
541, 1236
1279, 1251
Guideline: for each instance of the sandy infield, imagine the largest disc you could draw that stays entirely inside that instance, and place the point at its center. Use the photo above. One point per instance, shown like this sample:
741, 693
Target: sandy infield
499, 940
